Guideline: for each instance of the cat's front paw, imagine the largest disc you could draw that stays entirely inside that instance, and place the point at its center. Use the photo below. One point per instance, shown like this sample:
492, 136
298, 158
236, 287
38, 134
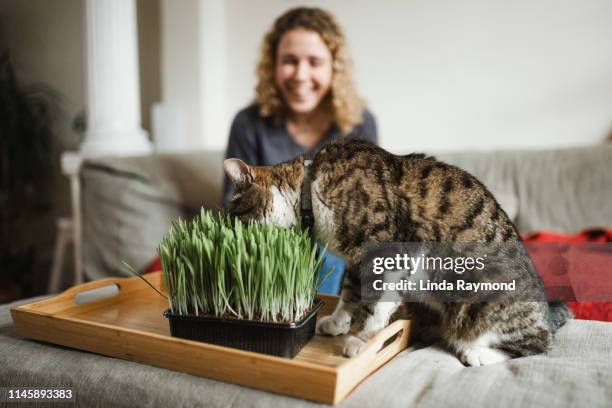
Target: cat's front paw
480, 356
353, 346
331, 327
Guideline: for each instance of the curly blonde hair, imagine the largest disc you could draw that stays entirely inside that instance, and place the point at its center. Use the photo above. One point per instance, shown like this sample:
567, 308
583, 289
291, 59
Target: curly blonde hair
346, 105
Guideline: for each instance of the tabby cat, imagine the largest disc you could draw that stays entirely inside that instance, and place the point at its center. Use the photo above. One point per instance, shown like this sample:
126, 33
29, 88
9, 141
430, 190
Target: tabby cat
362, 194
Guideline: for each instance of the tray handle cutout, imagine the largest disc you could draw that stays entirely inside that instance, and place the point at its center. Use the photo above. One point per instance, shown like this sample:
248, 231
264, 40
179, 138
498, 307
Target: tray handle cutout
94, 295
380, 343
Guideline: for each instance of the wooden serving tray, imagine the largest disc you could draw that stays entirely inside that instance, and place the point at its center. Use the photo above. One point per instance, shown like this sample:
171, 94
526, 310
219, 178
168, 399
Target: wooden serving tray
130, 325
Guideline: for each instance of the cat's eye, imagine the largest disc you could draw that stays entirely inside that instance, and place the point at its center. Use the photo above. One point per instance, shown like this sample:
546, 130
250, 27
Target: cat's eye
241, 208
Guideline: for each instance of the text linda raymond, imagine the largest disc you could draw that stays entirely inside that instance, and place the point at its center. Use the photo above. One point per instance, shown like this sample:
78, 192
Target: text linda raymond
444, 285
412, 264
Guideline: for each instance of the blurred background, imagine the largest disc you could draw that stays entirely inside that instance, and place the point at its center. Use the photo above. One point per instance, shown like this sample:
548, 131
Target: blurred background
440, 76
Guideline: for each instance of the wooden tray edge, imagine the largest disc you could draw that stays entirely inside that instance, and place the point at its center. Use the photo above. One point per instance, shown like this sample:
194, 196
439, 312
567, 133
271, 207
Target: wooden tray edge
299, 379
372, 358
269, 373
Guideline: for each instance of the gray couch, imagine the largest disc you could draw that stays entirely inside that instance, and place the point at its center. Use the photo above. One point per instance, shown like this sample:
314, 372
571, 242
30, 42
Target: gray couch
128, 204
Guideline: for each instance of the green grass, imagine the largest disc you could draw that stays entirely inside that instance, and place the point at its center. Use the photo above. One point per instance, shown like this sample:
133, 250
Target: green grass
219, 266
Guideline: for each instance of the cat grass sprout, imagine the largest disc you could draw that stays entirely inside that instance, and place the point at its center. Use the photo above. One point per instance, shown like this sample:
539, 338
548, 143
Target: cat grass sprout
218, 266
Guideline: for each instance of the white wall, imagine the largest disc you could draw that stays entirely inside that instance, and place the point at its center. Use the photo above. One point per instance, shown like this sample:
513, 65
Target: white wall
446, 75
176, 120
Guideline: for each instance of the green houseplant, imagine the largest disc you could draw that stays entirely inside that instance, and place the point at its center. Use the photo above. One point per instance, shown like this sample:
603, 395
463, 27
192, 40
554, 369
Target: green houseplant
250, 286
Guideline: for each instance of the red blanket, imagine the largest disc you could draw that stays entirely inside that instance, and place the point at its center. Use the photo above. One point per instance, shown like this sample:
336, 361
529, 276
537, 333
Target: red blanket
582, 310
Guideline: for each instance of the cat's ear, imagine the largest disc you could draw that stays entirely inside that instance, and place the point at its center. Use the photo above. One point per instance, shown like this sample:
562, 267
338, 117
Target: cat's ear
238, 171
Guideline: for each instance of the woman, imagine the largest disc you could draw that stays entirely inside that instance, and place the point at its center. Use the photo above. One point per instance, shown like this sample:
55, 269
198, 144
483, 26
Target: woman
305, 97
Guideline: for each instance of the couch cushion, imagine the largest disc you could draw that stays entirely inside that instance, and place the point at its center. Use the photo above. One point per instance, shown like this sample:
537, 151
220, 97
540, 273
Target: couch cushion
129, 203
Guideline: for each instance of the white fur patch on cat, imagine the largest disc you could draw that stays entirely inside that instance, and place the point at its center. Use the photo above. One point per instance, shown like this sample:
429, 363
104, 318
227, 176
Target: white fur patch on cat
339, 322
354, 345
481, 356
482, 351
284, 204
378, 320
488, 339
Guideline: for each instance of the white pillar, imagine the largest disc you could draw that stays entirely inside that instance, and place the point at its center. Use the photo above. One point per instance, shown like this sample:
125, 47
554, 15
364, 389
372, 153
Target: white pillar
113, 125
113, 104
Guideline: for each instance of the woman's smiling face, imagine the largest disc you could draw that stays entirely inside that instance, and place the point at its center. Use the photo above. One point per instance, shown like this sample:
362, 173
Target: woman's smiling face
303, 72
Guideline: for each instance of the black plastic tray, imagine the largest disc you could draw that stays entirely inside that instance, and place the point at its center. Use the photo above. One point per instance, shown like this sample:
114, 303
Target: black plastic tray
284, 340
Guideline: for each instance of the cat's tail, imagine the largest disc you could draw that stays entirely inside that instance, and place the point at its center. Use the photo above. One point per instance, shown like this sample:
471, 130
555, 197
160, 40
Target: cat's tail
559, 314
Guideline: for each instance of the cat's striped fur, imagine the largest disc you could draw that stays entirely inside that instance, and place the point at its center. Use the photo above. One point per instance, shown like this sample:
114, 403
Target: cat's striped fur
363, 194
